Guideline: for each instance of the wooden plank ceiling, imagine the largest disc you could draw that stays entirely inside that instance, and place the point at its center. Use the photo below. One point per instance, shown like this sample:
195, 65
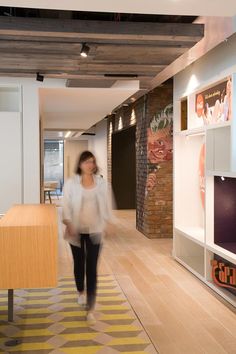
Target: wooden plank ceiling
135, 47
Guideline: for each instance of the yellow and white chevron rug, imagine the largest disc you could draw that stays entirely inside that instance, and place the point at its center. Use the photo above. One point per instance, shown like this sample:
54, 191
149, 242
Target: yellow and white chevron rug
51, 321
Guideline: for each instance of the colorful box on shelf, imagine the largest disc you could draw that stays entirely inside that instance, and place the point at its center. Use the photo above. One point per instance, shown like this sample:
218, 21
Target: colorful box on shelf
224, 274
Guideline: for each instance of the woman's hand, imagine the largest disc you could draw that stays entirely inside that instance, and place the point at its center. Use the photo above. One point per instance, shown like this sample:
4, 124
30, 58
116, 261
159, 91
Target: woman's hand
110, 230
71, 229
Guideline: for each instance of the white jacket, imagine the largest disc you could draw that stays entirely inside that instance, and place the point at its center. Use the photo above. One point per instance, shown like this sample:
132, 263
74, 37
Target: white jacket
72, 202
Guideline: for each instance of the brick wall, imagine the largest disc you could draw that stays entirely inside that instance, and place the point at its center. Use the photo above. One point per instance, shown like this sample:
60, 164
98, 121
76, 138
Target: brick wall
154, 207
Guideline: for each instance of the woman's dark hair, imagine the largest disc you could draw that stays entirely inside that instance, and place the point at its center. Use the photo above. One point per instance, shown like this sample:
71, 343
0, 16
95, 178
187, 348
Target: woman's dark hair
84, 157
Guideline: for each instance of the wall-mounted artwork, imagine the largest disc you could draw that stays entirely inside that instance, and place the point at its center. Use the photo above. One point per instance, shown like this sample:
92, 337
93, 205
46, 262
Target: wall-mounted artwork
160, 140
159, 143
214, 105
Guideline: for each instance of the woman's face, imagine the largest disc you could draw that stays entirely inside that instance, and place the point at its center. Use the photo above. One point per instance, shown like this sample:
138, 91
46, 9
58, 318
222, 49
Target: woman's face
88, 166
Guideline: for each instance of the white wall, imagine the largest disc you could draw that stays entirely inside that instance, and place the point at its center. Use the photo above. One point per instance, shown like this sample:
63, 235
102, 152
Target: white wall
213, 66
10, 160
100, 147
97, 144
30, 133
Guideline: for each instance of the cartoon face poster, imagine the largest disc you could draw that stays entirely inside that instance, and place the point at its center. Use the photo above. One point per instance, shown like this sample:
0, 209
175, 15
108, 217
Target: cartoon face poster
160, 136
159, 143
214, 105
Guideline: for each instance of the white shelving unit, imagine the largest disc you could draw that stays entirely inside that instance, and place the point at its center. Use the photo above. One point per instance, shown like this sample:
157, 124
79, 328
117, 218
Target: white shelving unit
194, 223
10, 147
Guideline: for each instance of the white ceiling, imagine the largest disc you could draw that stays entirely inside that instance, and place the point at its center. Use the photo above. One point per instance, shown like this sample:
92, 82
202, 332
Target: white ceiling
80, 108
171, 7
61, 135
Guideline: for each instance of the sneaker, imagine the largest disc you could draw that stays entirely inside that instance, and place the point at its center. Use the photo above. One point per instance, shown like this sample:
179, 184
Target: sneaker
82, 300
91, 319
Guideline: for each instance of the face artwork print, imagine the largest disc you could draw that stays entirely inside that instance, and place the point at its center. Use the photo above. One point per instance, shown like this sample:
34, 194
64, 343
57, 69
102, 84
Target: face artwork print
213, 105
159, 143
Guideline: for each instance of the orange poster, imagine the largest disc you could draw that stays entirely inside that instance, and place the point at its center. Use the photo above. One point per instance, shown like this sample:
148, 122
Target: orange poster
214, 104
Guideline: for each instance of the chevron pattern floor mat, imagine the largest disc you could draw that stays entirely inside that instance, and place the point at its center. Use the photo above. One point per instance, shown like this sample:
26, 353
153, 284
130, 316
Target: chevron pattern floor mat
51, 321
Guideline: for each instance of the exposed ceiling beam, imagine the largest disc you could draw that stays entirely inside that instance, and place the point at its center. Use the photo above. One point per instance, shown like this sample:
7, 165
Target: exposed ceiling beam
77, 41
71, 75
100, 29
73, 65
47, 48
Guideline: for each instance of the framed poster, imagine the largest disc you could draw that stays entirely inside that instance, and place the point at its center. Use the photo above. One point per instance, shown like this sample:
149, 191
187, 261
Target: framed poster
214, 105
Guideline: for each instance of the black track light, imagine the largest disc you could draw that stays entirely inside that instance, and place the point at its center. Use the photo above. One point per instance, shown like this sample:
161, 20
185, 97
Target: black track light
84, 50
39, 77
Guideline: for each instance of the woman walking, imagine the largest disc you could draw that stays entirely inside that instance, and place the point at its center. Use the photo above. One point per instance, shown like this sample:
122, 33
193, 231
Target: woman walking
86, 214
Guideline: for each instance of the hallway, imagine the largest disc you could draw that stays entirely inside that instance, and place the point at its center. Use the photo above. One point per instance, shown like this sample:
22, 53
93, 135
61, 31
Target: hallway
179, 313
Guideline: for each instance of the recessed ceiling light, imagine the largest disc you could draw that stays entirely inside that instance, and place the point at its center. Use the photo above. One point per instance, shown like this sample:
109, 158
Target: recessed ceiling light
68, 134
84, 50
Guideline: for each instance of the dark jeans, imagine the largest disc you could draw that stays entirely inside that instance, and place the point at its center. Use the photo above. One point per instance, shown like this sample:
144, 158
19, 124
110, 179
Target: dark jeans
86, 259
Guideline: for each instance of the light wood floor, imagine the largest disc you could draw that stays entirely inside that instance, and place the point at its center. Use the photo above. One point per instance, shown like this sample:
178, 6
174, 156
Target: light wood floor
180, 314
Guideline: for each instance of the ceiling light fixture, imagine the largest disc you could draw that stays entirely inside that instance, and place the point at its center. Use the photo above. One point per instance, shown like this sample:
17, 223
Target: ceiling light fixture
39, 77
84, 50
68, 134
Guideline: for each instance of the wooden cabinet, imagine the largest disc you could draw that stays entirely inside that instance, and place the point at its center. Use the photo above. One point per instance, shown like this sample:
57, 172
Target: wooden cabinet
29, 247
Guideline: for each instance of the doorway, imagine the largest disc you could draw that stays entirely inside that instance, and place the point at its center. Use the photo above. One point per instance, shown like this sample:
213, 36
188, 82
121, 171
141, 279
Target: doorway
53, 177
59, 162
124, 168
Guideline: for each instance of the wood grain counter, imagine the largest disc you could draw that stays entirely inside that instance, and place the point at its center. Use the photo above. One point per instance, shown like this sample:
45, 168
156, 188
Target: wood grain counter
29, 247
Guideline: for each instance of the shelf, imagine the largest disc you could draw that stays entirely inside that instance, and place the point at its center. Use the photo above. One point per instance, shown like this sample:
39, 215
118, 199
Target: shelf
196, 234
218, 149
194, 264
222, 252
204, 151
228, 246
218, 125
222, 292
221, 173
190, 252
192, 132
202, 130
